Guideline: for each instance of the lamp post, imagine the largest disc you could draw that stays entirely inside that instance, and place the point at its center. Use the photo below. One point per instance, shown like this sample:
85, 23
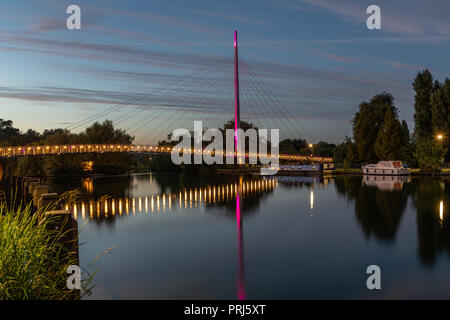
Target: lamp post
311, 146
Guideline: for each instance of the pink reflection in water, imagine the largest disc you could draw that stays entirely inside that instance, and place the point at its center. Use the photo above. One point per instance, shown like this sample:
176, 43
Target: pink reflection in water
241, 282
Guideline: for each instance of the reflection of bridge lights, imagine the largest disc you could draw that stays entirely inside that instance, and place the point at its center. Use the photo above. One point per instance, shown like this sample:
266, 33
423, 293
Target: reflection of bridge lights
197, 197
146, 204
441, 210
311, 199
83, 210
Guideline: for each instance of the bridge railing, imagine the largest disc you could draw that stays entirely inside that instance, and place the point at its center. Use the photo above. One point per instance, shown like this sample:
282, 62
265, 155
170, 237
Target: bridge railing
107, 148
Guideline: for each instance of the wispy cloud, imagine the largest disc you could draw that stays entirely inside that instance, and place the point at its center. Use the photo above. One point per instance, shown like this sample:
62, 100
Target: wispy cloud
402, 17
168, 21
229, 16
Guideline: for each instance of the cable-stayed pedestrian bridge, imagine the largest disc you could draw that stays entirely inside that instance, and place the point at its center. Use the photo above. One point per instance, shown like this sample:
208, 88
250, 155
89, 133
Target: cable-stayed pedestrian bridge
213, 95
42, 150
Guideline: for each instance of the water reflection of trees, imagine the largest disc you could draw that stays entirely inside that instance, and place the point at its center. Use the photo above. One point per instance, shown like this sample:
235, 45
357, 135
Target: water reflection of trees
379, 212
433, 224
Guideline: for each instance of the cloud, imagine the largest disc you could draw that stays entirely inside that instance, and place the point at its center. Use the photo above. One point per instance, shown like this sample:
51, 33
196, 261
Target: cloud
229, 16
410, 17
168, 21
335, 57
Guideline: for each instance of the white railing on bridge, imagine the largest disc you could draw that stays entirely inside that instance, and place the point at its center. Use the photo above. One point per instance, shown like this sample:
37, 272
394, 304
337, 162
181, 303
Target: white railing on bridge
106, 148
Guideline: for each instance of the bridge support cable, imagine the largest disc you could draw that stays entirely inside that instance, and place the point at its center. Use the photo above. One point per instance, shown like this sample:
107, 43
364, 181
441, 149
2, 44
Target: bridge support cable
190, 115
173, 92
281, 114
264, 111
279, 106
173, 103
275, 112
132, 101
175, 100
217, 84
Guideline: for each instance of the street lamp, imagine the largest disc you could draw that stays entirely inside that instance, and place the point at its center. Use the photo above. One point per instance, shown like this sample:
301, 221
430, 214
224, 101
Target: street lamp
439, 136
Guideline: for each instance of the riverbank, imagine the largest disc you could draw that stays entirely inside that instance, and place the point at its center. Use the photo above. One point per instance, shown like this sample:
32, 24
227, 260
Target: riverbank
413, 171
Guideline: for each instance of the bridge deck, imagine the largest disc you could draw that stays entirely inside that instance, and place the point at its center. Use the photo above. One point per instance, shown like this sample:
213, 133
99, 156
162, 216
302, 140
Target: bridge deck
18, 151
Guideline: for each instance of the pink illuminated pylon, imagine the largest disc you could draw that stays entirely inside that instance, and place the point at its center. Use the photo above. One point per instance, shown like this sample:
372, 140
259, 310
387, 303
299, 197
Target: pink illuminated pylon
237, 117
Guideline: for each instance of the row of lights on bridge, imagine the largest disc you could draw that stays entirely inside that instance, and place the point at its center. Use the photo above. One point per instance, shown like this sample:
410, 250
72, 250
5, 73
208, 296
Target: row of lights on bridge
147, 148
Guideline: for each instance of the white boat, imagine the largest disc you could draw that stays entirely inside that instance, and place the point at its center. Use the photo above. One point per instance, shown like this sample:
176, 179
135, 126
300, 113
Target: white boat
386, 168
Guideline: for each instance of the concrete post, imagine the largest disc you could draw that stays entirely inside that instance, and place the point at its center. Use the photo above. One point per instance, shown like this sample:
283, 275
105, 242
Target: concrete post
37, 193
47, 201
33, 185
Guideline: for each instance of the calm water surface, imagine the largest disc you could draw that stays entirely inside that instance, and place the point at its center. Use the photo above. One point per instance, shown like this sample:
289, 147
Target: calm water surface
177, 236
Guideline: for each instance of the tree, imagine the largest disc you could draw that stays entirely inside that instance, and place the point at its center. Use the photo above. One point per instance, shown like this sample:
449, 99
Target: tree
105, 133
407, 147
7, 132
429, 155
423, 86
367, 123
339, 153
324, 149
287, 146
390, 139
293, 146
440, 117
351, 157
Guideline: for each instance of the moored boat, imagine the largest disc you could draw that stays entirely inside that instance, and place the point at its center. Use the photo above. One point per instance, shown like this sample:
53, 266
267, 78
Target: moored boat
386, 168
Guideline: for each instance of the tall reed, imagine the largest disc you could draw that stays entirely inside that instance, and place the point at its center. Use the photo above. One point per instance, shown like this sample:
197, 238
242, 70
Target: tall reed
33, 259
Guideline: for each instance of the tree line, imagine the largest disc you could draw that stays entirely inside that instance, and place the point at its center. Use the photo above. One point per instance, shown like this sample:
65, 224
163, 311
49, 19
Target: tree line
378, 134
67, 164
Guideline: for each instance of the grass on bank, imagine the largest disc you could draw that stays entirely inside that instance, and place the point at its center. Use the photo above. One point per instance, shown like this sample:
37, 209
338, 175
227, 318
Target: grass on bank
33, 259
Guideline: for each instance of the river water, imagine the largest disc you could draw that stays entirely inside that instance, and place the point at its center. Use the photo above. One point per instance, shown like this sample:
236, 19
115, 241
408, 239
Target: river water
181, 236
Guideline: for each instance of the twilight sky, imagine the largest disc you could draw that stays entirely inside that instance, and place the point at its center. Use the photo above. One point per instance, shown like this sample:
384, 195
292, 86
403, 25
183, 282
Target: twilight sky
156, 65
